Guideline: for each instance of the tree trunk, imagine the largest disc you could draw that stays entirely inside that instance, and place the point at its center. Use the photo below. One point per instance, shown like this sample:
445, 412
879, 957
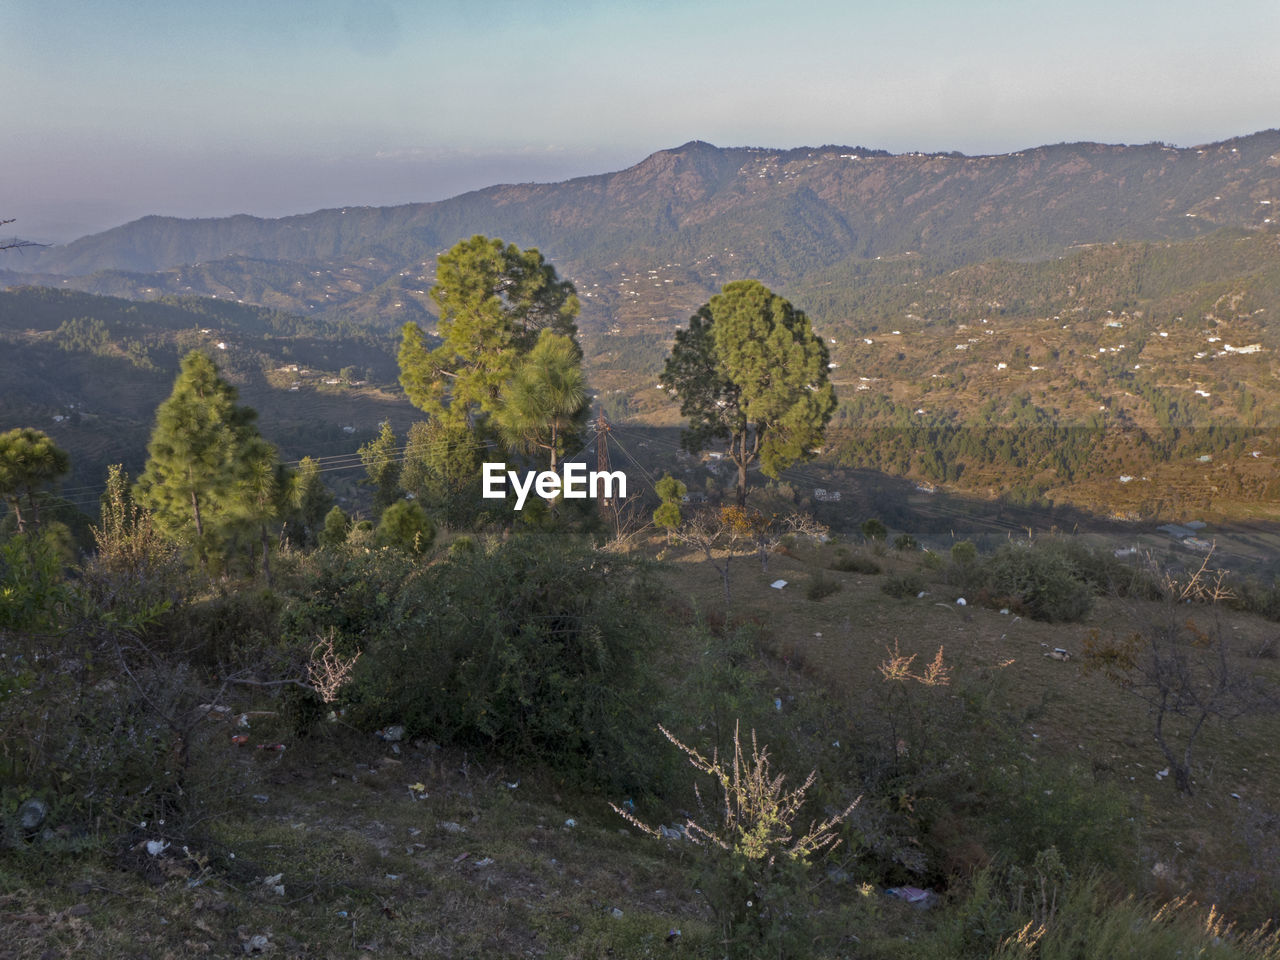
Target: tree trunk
35, 510
266, 556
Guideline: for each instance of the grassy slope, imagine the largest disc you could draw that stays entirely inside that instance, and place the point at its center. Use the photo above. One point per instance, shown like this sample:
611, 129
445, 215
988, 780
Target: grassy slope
370, 869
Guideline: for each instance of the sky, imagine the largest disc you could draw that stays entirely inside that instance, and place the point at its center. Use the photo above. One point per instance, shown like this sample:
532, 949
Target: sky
114, 109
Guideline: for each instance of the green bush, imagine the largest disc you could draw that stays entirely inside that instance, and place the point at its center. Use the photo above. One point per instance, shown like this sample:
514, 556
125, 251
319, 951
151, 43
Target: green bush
1041, 580
462, 546
1040, 911
336, 527
820, 587
905, 542
405, 526
874, 529
346, 589
964, 553
848, 562
539, 649
903, 585
31, 582
1103, 571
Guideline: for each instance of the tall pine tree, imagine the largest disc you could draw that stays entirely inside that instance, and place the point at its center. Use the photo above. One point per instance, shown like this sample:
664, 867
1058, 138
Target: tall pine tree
206, 463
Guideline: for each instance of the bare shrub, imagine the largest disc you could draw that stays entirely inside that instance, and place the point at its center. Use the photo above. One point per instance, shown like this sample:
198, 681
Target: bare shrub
756, 858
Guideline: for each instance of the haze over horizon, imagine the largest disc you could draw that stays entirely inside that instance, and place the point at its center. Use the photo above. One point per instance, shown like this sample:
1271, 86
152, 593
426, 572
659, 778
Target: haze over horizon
181, 109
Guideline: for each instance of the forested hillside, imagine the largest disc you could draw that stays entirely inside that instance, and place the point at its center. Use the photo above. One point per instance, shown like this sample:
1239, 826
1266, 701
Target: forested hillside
715, 214
90, 371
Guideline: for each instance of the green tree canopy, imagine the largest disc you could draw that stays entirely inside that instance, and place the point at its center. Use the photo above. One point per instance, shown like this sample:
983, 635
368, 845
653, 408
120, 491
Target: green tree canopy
750, 371
544, 405
670, 491
381, 462
405, 526
29, 461
336, 527
494, 300
442, 469
208, 469
311, 500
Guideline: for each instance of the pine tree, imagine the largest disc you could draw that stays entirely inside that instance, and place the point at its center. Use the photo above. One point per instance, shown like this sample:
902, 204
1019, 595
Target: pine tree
206, 463
494, 301
442, 469
671, 492
382, 465
336, 527
29, 461
311, 500
750, 371
544, 405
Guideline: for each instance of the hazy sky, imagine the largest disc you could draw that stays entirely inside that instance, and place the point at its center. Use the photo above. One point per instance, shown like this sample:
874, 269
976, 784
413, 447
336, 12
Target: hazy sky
112, 109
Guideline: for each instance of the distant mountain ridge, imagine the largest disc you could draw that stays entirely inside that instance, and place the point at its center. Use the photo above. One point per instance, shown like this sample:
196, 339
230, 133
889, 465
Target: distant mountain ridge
781, 213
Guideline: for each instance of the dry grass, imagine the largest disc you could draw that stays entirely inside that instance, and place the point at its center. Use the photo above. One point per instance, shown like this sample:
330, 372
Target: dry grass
1064, 712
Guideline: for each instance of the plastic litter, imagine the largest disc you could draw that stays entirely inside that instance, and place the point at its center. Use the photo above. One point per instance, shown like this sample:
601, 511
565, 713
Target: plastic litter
261, 797
961, 602
240, 740
778, 584
487, 861
911, 894
616, 913
777, 704
390, 734
157, 847
451, 826
571, 822
673, 935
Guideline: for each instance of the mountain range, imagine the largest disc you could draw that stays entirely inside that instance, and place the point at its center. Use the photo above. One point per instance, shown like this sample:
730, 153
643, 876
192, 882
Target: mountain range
1106, 306
714, 213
